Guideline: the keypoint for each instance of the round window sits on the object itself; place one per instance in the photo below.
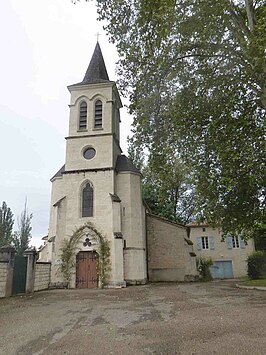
(89, 153)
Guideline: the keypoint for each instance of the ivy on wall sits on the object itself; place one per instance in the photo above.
(69, 251)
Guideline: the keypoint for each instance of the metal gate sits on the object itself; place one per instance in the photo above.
(222, 269)
(19, 275)
(86, 269)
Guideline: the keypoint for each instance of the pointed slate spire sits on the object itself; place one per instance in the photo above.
(96, 72)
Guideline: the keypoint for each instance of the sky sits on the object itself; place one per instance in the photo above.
(45, 46)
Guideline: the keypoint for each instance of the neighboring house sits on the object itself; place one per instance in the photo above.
(229, 255)
(97, 194)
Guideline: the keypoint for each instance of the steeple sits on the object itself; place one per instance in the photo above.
(96, 72)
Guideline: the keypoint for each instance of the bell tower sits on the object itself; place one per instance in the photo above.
(93, 139)
(98, 186)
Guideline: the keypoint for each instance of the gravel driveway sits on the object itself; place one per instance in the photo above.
(194, 318)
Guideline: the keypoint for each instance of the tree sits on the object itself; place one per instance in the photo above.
(260, 237)
(23, 235)
(195, 73)
(6, 225)
(168, 192)
(166, 185)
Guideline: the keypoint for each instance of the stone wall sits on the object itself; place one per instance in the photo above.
(169, 256)
(42, 276)
(3, 277)
(133, 227)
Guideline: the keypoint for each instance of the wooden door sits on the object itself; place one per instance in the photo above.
(86, 269)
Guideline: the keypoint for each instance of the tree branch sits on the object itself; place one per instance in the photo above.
(238, 19)
(250, 14)
(202, 55)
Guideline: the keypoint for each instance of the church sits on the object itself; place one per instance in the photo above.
(96, 202)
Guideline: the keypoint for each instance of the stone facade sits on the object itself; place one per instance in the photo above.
(42, 276)
(7, 256)
(3, 277)
(232, 255)
(117, 213)
(170, 252)
(133, 227)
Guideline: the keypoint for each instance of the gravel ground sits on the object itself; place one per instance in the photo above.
(193, 318)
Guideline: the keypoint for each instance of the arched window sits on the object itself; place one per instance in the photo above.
(98, 114)
(87, 201)
(83, 115)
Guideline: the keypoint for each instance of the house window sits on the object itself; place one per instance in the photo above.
(205, 242)
(87, 201)
(235, 241)
(98, 114)
(83, 115)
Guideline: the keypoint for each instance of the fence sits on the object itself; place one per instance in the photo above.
(36, 275)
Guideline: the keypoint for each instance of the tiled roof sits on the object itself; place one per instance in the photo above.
(59, 173)
(163, 219)
(197, 224)
(123, 163)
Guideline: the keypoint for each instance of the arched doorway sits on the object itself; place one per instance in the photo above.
(86, 269)
(74, 258)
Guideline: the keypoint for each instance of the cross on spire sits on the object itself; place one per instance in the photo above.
(98, 35)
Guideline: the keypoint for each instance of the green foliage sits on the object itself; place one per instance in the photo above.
(22, 236)
(68, 258)
(260, 237)
(195, 73)
(135, 154)
(6, 225)
(166, 185)
(69, 251)
(260, 242)
(203, 267)
(257, 265)
(103, 262)
(168, 191)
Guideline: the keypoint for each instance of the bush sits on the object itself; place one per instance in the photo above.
(203, 267)
(257, 265)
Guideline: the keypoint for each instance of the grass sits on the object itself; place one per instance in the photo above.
(258, 283)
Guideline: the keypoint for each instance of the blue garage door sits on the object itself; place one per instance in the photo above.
(222, 270)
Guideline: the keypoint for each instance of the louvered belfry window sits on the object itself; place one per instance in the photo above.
(83, 115)
(98, 116)
(87, 201)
